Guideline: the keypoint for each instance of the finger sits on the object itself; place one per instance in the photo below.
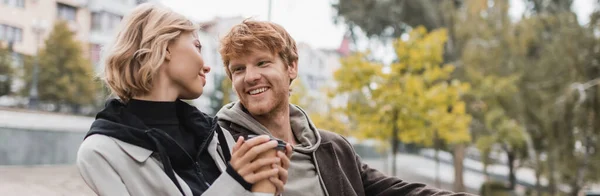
(283, 174)
(249, 144)
(257, 164)
(278, 184)
(285, 161)
(262, 175)
(234, 155)
(289, 150)
(237, 145)
(251, 154)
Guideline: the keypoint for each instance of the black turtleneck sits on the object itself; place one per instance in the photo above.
(166, 116)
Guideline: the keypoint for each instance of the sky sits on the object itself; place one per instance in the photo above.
(308, 21)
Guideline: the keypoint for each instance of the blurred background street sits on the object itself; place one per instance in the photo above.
(492, 97)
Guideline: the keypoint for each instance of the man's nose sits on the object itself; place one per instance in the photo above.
(252, 75)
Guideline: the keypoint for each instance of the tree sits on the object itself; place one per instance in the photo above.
(6, 71)
(65, 76)
(222, 94)
(324, 116)
(535, 61)
(415, 102)
(546, 56)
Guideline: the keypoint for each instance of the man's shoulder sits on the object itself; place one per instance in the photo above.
(330, 136)
(334, 138)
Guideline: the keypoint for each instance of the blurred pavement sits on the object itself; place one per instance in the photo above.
(42, 180)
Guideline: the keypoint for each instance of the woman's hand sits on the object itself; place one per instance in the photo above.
(243, 158)
(283, 168)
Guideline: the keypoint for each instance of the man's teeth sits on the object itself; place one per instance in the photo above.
(256, 91)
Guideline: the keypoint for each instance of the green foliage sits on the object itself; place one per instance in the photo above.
(534, 82)
(65, 75)
(417, 97)
(323, 115)
(6, 71)
(495, 188)
(222, 94)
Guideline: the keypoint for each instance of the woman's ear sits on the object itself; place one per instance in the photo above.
(168, 54)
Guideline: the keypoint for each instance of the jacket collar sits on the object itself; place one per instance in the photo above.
(137, 153)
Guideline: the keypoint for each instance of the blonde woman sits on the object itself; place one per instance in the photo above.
(148, 141)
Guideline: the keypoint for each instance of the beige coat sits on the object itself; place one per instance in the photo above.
(112, 167)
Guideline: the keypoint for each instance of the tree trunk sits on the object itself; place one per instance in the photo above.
(76, 108)
(485, 159)
(574, 188)
(511, 170)
(58, 107)
(437, 168)
(538, 173)
(394, 142)
(551, 180)
(486, 175)
(437, 159)
(459, 156)
(394, 151)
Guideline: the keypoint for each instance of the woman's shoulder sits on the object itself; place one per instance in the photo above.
(105, 147)
(97, 145)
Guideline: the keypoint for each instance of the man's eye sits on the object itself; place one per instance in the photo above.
(262, 63)
(236, 69)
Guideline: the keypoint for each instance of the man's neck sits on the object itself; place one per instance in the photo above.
(278, 123)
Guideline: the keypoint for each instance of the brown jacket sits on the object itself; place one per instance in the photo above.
(344, 173)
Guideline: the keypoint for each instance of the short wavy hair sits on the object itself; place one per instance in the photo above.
(140, 48)
(250, 35)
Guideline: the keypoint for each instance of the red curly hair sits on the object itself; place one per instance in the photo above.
(251, 35)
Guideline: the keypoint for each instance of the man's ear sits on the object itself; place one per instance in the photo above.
(293, 70)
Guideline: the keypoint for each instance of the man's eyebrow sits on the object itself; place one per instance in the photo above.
(233, 65)
(262, 58)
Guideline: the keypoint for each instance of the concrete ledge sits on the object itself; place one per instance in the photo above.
(44, 121)
(34, 147)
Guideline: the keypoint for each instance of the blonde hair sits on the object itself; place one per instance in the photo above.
(140, 48)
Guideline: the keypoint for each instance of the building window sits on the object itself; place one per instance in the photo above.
(96, 21)
(2, 30)
(66, 12)
(10, 33)
(17, 59)
(105, 21)
(114, 21)
(95, 51)
(15, 3)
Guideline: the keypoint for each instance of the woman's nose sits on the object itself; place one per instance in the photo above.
(206, 68)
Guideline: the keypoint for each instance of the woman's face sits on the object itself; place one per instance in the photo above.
(185, 67)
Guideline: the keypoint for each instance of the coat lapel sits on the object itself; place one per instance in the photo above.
(330, 170)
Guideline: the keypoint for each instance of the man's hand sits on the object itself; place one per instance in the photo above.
(244, 163)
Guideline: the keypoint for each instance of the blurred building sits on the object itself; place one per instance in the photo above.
(25, 24)
(209, 35)
(315, 71)
(105, 16)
